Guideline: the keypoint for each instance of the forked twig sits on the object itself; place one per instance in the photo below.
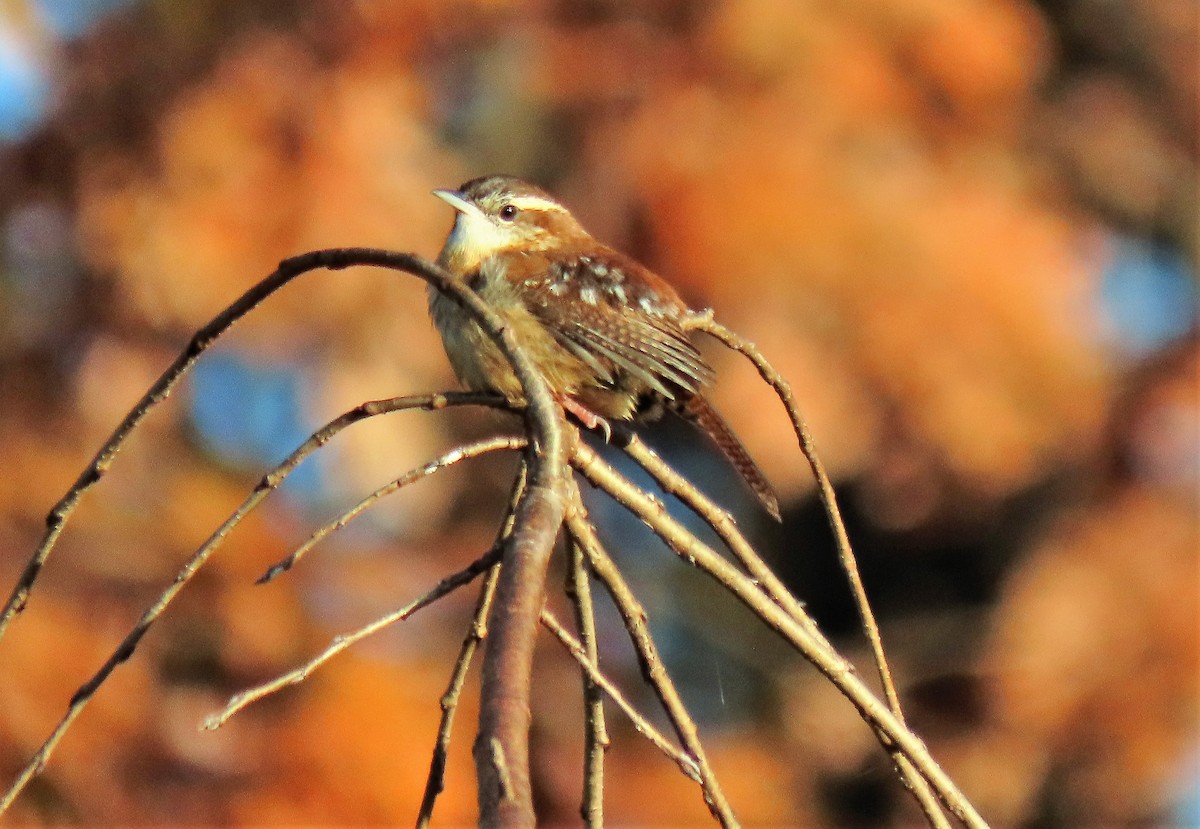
(891, 732)
(655, 673)
(686, 764)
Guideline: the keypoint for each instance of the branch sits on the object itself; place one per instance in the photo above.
(501, 748)
(476, 633)
(722, 524)
(824, 488)
(266, 485)
(514, 594)
(340, 643)
(454, 456)
(634, 616)
(891, 732)
(502, 761)
(908, 775)
(644, 727)
(435, 782)
(157, 393)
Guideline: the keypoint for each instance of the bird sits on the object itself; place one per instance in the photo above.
(605, 332)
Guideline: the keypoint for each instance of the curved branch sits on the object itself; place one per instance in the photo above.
(783, 390)
(162, 388)
(504, 713)
(502, 746)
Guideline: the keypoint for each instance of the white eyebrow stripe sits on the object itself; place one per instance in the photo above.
(534, 203)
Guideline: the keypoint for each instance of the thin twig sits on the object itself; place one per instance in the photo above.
(634, 615)
(891, 732)
(266, 485)
(435, 782)
(686, 764)
(454, 456)
(596, 740)
(783, 391)
(340, 643)
(157, 393)
(824, 488)
(720, 521)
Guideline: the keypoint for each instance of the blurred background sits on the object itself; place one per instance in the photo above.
(965, 230)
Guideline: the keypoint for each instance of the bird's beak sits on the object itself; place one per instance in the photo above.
(455, 199)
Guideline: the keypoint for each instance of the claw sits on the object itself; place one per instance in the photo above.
(605, 428)
(586, 416)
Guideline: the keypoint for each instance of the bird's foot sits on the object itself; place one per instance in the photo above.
(586, 416)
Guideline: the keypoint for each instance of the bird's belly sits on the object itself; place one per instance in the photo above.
(479, 363)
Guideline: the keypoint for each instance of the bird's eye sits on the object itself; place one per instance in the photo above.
(508, 213)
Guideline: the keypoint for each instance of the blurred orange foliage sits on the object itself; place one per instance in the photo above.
(899, 201)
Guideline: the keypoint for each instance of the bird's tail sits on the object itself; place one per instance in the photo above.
(699, 411)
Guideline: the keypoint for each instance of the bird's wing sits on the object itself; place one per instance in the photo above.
(621, 324)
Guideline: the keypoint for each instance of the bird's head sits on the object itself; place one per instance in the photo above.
(499, 214)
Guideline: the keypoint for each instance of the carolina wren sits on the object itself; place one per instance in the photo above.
(605, 331)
